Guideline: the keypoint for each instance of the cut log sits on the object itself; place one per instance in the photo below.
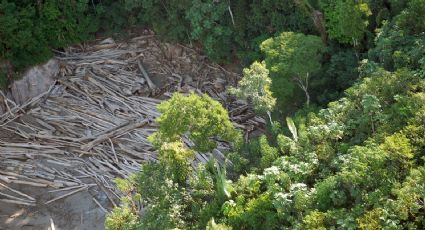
(113, 133)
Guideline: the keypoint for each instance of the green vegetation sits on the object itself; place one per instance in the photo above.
(292, 59)
(358, 163)
(346, 20)
(167, 186)
(201, 119)
(30, 29)
(225, 29)
(255, 86)
(342, 83)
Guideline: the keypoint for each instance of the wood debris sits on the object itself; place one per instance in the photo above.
(93, 124)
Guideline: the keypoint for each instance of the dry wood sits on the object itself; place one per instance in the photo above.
(72, 187)
(4, 178)
(100, 206)
(83, 187)
(14, 197)
(52, 225)
(35, 184)
(17, 202)
(113, 133)
(93, 123)
(17, 192)
(145, 75)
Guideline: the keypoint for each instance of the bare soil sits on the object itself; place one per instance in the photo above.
(78, 211)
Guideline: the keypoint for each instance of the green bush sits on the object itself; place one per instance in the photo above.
(167, 18)
(211, 25)
(255, 87)
(23, 40)
(257, 20)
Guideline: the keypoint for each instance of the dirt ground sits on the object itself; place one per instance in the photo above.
(77, 211)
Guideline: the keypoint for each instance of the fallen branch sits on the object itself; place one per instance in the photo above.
(83, 187)
(114, 133)
(151, 85)
(17, 202)
(17, 192)
(100, 206)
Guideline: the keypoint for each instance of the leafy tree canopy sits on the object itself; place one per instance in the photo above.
(292, 59)
(255, 86)
(346, 20)
(201, 118)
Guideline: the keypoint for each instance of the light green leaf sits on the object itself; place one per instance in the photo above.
(292, 128)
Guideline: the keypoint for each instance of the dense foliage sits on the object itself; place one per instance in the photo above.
(255, 87)
(358, 163)
(293, 60)
(346, 20)
(225, 29)
(29, 29)
(166, 186)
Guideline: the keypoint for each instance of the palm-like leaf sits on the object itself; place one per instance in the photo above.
(292, 128)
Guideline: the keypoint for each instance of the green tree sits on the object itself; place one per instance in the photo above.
(22, 40)
(165, 186)
(346, 20)
(292, 59)
(255, 86)
(357, 164)
(201, 118)
(125, 217)
(412, 19)
(211, 24)
(30, 29)
(176, 159)
(213, 226)
(409, 204)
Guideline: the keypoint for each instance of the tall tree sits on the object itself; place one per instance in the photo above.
(292, 58)
(346, 20)
(255, 86)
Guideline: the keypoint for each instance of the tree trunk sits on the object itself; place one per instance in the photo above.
(308, 97)
(319, 23)
(304, 86)
(317, 17)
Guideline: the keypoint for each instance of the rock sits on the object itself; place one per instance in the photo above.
(171, 51)
(219, 84)
(34, 81)
(187, 79)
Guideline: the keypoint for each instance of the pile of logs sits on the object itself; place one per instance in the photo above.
(92, 125)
